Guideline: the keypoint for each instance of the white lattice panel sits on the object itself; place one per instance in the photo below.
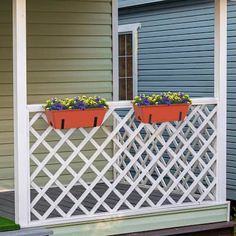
(124, 166)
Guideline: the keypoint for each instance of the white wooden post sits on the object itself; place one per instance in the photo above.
(221, 93)
(115, 53)
(21, 120)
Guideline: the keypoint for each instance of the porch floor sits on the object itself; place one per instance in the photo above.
(7, 200)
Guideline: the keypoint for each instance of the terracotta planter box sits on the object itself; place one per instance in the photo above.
(161, 113)
(66, 119)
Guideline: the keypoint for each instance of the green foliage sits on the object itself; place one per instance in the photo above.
(7, 225)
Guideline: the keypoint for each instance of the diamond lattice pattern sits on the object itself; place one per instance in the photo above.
(122, 166)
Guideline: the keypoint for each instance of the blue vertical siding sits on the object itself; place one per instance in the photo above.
(176, 52)
(231, 129)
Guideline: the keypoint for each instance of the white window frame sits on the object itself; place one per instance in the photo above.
(131, 28)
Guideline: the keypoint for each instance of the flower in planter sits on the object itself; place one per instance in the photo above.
(77, 112)
(165, 98)
(76, 103)
(156, 108)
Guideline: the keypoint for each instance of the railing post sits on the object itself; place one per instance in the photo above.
(21, 120)
(221, 94)
(115, 70)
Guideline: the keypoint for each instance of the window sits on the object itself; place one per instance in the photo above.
(125, 67)
(128, 51)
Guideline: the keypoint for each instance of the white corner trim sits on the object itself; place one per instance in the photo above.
(115, 48)
(132, 28)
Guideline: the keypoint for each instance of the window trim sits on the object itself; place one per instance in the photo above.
(132, 28)
(115, 52)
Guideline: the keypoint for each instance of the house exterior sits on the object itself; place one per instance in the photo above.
(175, 41)
(121, 177)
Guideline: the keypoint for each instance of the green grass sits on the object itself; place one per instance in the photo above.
(7, 225)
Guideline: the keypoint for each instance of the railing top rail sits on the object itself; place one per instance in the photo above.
(128, 104)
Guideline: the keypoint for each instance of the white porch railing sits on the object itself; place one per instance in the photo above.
(123, 167)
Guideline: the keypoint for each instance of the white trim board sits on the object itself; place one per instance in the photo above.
(115, 71)
(130, 3)
(129, 28)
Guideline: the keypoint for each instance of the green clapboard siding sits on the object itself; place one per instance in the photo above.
(176, 52)
(69, 54)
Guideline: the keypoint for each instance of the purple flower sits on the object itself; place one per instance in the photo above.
(163, 98)
(166, 100)
(75, 103)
